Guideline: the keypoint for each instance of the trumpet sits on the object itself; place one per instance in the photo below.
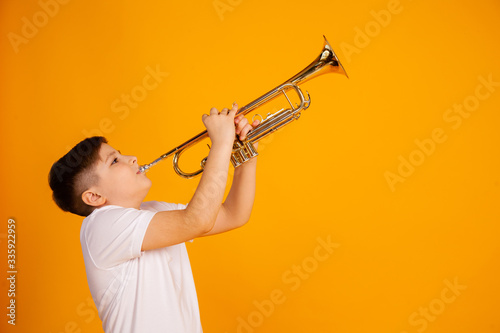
(243, 151)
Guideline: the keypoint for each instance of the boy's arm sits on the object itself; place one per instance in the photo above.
(236, 210)
(173, 227)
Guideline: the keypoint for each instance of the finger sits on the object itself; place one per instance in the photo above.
(244, 131)
(224, 111)
(256, 122)
(234, 109)
(241, 124)
(204, 116)
(238, 118)
(214, 111)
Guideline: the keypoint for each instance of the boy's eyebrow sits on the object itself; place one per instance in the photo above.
(111, 154)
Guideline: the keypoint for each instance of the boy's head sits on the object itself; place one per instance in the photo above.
(94, 174)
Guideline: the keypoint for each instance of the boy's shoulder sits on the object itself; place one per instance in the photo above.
(110, 214)
(161, 205)
(153, 205)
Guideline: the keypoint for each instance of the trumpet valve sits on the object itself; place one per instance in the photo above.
(242, 152)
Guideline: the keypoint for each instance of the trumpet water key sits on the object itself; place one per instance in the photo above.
(326, 62)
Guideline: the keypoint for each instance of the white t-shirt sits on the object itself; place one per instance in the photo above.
(141, 292)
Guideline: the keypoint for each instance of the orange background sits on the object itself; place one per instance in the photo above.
(399, 246)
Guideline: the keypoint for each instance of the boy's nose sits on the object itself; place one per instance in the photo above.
(133, 159)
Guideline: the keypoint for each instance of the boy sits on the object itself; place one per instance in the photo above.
(135, 257)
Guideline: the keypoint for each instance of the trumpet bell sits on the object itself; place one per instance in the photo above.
(326, 62)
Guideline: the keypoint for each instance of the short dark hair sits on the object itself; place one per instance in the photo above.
(74, 173)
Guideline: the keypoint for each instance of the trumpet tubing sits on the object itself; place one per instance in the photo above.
(326, 62)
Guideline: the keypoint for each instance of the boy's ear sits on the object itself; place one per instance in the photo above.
(92, 198)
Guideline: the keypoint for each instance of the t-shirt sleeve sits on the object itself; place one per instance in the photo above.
(116, 235)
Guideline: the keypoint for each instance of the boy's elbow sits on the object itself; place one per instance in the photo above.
(204, 225)
(244, 221)
(207, 226)
(238, 220)
(199, 222)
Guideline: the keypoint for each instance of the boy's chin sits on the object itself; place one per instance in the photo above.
(147, 186)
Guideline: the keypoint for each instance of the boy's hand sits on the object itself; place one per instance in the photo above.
(243, 127)
(220, 125)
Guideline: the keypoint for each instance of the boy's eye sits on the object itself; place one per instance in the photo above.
(115, 160)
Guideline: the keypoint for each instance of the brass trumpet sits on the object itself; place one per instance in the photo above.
(326, 62)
